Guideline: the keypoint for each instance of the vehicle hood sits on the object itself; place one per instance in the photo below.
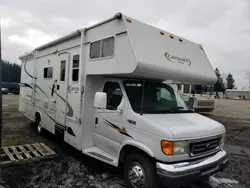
(186, 126)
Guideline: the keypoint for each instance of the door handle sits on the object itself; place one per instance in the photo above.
(58, 86)
(96, 122)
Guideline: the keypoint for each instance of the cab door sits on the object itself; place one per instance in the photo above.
(61, 89)
(110, 121)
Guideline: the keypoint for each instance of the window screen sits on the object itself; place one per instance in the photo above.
(62, 70)
(75, 68)
(114, 95)
(102, 48)
(48, 72)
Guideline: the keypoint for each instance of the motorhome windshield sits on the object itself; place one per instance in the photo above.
(154, 97)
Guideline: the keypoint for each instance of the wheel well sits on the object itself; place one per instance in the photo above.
(129, 149)
(37, 117)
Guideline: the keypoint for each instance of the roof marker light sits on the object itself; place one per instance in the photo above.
(129, 20)
(171, 36)
(161, 33)
(180, 40)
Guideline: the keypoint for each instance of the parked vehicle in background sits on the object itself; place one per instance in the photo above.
(12, 87)
(5, 91)
(204, 100)
(103, 87)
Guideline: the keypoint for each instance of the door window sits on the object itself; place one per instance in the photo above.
(75, 68)
(62, 70)
(114, 95)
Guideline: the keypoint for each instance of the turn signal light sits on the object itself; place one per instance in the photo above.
(167, 147)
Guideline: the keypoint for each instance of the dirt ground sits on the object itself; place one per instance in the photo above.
(72, 169)
(232, 108)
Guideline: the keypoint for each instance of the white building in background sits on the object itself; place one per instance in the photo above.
(240, 94)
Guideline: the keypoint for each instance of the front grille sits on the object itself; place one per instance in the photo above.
(204, 147)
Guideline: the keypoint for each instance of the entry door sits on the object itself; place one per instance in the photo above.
(109, 122)
(62, 87)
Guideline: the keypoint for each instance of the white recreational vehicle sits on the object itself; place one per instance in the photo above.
(102, 86)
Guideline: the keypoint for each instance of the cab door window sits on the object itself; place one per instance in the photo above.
(114, 95)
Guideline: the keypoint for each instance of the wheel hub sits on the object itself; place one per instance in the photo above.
(136, 175)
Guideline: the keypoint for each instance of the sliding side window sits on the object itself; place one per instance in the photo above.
(102, 48)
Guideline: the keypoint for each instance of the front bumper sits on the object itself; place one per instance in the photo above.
(185, 173)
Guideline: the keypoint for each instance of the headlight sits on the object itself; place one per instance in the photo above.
(174, 148)
(222, 142)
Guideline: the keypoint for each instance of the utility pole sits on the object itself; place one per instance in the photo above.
(0, 88)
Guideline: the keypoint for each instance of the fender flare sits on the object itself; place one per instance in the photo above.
(138, 145)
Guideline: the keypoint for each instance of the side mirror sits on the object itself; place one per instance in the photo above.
(100, 100)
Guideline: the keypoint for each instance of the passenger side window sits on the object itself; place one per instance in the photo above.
(114, 95)
(75, 68)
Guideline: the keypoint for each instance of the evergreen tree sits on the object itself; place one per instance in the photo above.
(10, 72)
(230, 81)
(219, 86)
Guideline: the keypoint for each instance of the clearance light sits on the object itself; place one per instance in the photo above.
(161, 33)
(171, 36)
(129, 20)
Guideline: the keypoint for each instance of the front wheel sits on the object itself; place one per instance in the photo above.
(139, 171)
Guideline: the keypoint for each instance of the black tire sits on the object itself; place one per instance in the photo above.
(39, 128)
(148, 168)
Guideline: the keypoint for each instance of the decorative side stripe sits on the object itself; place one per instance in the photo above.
(49, 116)
(121, 130)
(26, 85)
(36, 86)
(29, 96)
(27, 71)
(70, 112)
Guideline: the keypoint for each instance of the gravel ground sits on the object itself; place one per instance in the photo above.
(72, 169)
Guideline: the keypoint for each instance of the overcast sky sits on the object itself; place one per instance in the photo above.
(221, 26)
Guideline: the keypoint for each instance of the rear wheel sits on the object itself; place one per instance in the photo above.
(139, 171)
(39, 127)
